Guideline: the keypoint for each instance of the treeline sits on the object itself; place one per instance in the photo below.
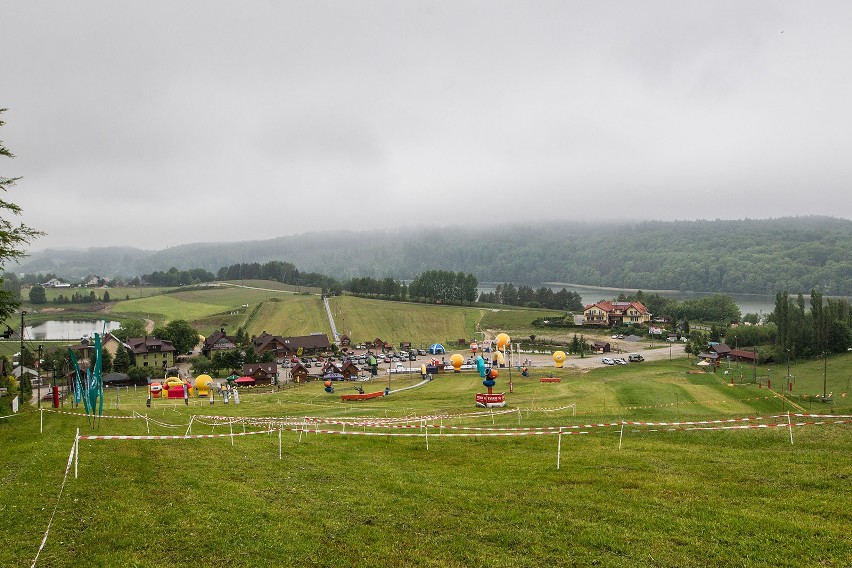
(444, 286)
(384, 289)
(431, 286)
(77, 298)
(174, 277)
(745, 256)
(543, 297)
(822, 325)
(284, 272)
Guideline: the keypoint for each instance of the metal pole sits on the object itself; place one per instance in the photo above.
(21, 357)
(38, 371)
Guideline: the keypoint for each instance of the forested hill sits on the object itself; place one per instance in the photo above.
(757, 256)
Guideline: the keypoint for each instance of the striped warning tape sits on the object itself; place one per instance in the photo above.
(187, 437)
(84, 415)
(442, 435)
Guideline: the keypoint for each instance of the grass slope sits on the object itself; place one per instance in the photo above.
(666, 498)
(293, 315)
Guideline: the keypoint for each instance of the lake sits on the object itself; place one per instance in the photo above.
(68, 329)
(761, 304)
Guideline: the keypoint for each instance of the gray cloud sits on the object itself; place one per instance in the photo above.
(159, 123)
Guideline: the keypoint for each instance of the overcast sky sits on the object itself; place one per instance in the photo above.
(160, 123)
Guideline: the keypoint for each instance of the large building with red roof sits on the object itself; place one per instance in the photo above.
(610, 314)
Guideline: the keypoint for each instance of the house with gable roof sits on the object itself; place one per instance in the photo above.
(218, 341)
(609, 314)
(152, 352)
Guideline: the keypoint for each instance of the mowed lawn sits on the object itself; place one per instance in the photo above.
(667, 497)
(290, 315)
(365, 319)
(196, 304)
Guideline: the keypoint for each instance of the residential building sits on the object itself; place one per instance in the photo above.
(152, 352)
(609, 314)
(218, 341)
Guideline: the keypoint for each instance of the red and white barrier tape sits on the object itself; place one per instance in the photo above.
(187, 437)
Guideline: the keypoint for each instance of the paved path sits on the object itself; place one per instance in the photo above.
(331, 320)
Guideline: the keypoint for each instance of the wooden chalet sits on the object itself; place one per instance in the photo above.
(218, 341)
(742, 356)
(313, 344)
(602, 347)
(262, 373)
(266, 342)
(345, 341)
(349, 370)
(299, 373)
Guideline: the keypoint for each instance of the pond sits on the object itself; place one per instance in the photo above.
(68, 329)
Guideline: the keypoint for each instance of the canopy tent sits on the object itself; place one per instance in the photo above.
(437, 349)
(245, 381)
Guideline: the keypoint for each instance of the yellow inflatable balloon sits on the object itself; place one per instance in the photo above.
(502, 341)
(501, 360)
(457, 360)
(559, 358)
(202, 385)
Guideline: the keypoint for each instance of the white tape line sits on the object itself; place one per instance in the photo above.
(56, 506)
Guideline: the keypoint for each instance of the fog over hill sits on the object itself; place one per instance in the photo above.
(749, 255)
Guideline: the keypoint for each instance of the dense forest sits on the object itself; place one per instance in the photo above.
(798, 254)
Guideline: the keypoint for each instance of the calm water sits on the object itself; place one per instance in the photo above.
(70, 330)
(748, 303)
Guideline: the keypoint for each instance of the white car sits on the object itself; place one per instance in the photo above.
(620, 361)
(607, 361)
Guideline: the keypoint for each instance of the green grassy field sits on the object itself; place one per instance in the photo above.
(365, 319)
(204, 307)
(668, 497)
(422, 324)
(293, 315)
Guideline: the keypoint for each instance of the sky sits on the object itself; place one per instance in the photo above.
(158, 123)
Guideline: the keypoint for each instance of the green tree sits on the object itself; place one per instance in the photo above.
(839, 337)
(140, 375)
(201, 365)
(123, 360)
(130, 328)
(182, 335)
(38, 295)
(13, 238)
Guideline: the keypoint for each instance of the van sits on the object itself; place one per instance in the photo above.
(635, 358)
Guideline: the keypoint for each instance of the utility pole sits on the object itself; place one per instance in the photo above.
(824, 374)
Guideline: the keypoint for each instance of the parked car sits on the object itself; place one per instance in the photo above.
(607, 361)
(635, 358)
(620, 361)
